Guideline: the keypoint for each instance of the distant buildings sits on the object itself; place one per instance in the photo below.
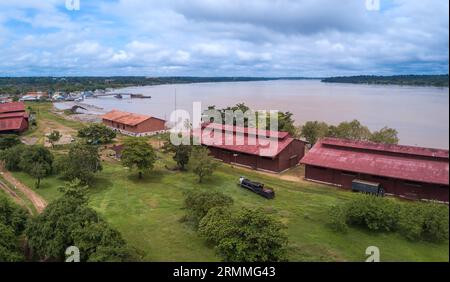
(13, 118)
(405, 171)
(133, 124)
(34, 96)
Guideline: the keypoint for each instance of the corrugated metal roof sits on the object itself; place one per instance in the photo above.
(11, 123)
(125, 117)
(260, 148)
(394, 161)
(14, 114)
(12, 107)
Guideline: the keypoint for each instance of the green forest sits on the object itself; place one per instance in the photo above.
(412, 80)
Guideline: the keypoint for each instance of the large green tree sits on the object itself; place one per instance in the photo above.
(37, 161)
(12, 224)
(312, 131)
(96, 134)
(82, 162)
(68, 221)
(138, 154)
(385, 135)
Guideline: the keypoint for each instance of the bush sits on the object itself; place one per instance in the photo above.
(435, 226)
(374, 213)
(411, 219)
(198, 203)
(9, 141)
(338, 218)
(253, 236)
(215, 224)
(417, 221)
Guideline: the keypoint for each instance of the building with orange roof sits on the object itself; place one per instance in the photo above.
(133, 124)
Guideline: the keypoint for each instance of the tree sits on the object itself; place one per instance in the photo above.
(8, 141)
(286, 123)
(137, 153)
(37, 161)
(385, 135)
(54, 137)
(12, 223)
(12, 156)
(252, 236)
(68, 221)
(181, 153)
(202, 163)
(82, 162)
(96, 134)
(198, 203)
(312, 131)
(353, 130)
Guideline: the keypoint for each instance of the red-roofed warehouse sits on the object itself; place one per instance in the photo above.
(13, 118)
(133, 124)
(406, 171)
(285, 152)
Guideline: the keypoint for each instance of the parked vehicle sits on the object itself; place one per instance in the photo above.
(367, 187)
(257, 188)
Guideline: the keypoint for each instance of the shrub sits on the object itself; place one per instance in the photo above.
(338, 218)
(374, 213)
(253, 236)
(411, 219)
(215, 224)
(198, 203)
(9, 141)
(435, 227)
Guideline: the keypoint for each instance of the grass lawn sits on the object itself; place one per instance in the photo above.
(147, 212)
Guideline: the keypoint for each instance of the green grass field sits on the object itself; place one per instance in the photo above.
(147, 212)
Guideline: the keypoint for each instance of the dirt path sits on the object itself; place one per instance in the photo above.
(14, 196)
(38, 202)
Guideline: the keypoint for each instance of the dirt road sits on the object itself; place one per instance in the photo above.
(38, 202)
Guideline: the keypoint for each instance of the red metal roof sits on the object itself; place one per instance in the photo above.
(393, 161)
(12, 107)
(14, 123)
(14, 114)
(251, 146)
(125, 118)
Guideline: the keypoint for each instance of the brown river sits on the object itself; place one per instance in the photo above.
(420, 114)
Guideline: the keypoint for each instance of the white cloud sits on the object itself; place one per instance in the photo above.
(223, 37)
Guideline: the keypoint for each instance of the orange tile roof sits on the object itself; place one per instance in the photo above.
(125, 118)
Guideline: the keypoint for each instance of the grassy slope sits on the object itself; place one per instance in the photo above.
(147, 213)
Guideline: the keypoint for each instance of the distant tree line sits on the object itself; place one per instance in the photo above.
(20, 85)
(413, 80)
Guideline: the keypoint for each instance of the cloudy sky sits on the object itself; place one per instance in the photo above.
(223, 37)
